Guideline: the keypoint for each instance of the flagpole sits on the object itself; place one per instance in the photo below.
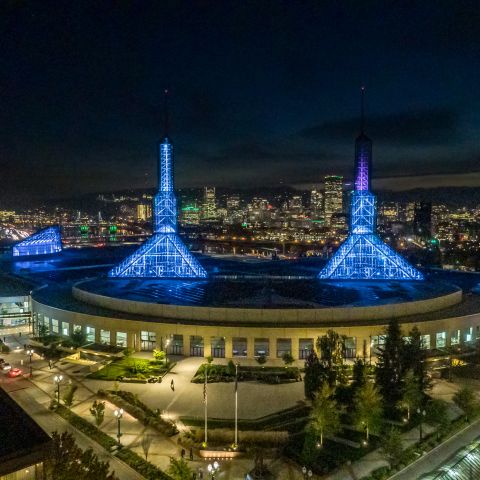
(205, 401)
(236, 405)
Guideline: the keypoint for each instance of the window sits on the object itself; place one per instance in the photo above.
(148, 340)
(261, 347)
(65, 329)
(121, 339)
(377, 342)
(105, 337)
(305, 347)
(239, 347)
(55, 325)
(218, 347)
(441, 338)
(425, 342)
(90, 334)
(455, 337)
(284, 345)
(468, 335)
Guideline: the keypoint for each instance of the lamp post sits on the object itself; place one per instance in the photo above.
(118, 414)
(236, 404)
(422, 414)
(30, 352)
(167, 343)
(213, 469)
(57, 379)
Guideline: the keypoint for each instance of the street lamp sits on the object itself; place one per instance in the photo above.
(306, 473)
(236, 404)
(30, 353)
(422, 414)
(213, 469)
(57, 379)
(119, 414)
(167, 343)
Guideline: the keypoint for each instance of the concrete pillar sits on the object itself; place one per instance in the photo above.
(295, 347)
(97, 334)
(228, 347)
(207, 346)
(186, 345)
(251, 347)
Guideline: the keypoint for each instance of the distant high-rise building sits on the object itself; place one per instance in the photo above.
(316, 203)
(233, 203)
(422, 220)
(333, 196)
(144, 212)
(209, 210)
(190, 215)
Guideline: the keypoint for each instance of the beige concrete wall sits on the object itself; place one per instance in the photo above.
(362, 333)
(270, 315)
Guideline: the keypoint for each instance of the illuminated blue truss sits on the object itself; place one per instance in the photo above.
(164, 255)
(363, 255)
(45, 242)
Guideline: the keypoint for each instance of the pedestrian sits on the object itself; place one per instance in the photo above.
(191, 454)
(194, 476)
(172, 385)
(50, 364)
(20, 334)
(200, 474)
(4, 339)
(183, 453)
(24, 346)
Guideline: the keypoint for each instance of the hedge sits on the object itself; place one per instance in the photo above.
(131, 404)
(133, 460)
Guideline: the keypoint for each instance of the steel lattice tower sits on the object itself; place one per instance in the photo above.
(164, 255)
(363, 255)
(45, 242)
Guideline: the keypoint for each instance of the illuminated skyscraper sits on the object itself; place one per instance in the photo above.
(363, 255)
(209, 204)
(45, 242)
(164, 255)
(333, 197)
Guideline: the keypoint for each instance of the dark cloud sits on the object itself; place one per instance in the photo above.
(430, 126)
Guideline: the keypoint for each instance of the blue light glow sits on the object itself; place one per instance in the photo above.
(363, 255)
(164, 255)
(45, 242)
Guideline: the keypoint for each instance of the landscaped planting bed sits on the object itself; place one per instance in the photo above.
(131, 367)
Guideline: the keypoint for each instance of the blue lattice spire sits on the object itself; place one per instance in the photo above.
(164, 255)
(44, 242)
(364, 255)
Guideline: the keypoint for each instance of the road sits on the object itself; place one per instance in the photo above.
(436, 457)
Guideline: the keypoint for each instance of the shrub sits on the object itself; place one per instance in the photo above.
(262, 359)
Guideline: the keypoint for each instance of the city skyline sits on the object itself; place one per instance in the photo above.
(282, 113)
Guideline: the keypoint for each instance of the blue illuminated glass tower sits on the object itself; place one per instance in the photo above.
(363, 255)
(164, 255)
(45, 242)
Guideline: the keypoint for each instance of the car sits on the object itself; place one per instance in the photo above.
(14, 372)
(6, 367)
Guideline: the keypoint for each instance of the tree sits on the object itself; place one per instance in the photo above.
(359, 374)
(325, 415)
(332, 352)
(412, 393)
(78, 338)
(368, 408)
(414, 355)
(66, 461)
(98, 412)
(159, 355)
(315, 374)
(287, 358)
(437, 414)
(465, 399)
(389, 371)
(69, 395)
(42, 330)
(392, 447)
(179, 469)
(146, 444)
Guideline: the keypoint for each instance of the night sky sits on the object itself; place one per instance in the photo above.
(262, 92)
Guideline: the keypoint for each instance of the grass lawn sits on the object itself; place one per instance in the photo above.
(130, 367)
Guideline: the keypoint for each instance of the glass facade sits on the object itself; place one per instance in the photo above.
(121, 339)
(105, 337)
(261, 347)
(364, 256)
(90, 334)
(164, 255)
(44, 242)
(441, 339)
